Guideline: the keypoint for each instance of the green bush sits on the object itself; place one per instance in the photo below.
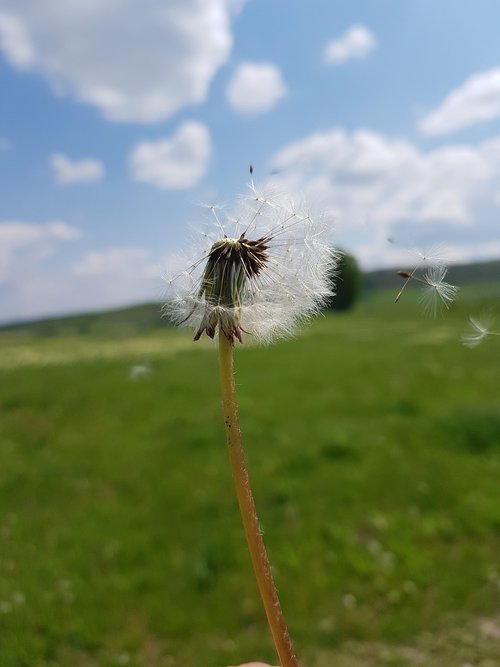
(347, 282)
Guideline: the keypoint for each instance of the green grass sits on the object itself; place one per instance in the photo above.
(373, 442)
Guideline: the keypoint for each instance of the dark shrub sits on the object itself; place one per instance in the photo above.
(347, 282)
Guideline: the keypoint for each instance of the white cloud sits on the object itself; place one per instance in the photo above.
(80, 171)
(477, 100)
(355, 44)
(15, 41)
(135, 62)
(176, 162)
(479, 250)
(23, 242)
(375, 185)
(39, 278)
(255, 88)
(112, 277)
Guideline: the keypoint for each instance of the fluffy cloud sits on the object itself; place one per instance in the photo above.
(255, 88)
(81, 171)
(137, 62)
(355, 44)
(477, 100)
(22, 242)
(377, 187)
(177, 162)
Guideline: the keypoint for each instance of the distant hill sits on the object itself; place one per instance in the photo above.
(119, 322)
(458, 274)
(145, 317)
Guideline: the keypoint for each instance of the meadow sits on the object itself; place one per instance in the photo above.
(373, 443)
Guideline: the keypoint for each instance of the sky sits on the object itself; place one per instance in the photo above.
(119, 119)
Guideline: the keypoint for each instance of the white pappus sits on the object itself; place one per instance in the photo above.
(260, 272)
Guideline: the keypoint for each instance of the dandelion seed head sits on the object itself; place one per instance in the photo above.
(259, 271)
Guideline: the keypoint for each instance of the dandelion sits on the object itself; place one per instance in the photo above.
(264, 271)
(478, 331)
(260, 272)
(435, 292)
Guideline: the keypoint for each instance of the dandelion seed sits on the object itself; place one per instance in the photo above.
(476, 334)
(436, 291)
(266, 269)
(433, 256)
(478, 331)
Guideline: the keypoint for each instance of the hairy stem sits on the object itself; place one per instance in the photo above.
(260, 561)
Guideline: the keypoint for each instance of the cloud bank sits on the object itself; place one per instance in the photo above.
(38, 277)
(23, 243)
(135, 62)
(377, 186)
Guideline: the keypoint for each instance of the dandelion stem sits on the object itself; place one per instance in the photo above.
(260, 560)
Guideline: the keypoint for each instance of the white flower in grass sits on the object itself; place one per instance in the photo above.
(478, 331)
(436, 291)
(139, 371)
(260, 272)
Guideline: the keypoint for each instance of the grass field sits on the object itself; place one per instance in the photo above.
(373, 442)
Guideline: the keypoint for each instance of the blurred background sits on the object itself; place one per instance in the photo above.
(373, 438)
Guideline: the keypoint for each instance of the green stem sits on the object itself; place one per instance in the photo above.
(260, 561)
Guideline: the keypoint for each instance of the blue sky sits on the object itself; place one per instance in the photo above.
(118, 118)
